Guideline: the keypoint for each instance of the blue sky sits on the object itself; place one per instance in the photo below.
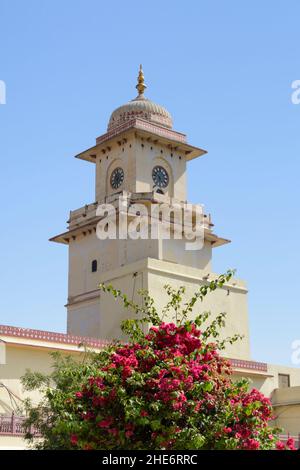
(223, 69)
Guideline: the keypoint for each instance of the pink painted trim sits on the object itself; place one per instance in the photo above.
(63, 338)
(51, 336)
(251, 365)
(143, 125)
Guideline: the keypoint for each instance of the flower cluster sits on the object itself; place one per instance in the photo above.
(289, 445)
(170, 390)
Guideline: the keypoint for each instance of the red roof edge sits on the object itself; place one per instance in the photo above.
(64, 338)
(250, 365)
(51, 336)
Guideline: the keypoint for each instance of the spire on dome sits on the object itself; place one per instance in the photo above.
(140, 108)
(141, 87)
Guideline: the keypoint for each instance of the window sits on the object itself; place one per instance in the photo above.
(94, 265)
(283, 380)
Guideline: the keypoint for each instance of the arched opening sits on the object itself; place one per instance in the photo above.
(94, 266)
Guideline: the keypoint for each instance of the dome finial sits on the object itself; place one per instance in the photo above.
(141, 87)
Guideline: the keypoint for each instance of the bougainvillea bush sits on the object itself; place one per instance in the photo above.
(168, 388)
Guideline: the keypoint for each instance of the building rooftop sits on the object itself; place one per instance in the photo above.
(50, 337)
(65, 339)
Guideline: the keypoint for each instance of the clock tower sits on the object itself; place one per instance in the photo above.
(142, 160)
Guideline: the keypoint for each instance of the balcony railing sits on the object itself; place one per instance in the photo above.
(285, 437)
(13, 425)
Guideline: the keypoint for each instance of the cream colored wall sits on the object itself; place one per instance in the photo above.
(19, 358)
(286, 402)
(112, 312)
(110, 255)
(267, 383)
(274, 370)
(153, 274)
(84, 318)
(117, 155)
(288, 419)
(174, 251)
(137, 157)
(230, 299)
(147, 158)
(102, 317)
(13, 443)
(149, 155)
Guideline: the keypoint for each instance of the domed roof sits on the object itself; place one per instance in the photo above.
(142, 108)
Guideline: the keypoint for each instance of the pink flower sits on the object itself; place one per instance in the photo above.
(73, 439)
(227, 430)
(171, 361)
(162, 373)
(129, 429)
(125, 360)
(178, 353)
(198, 405)
(105, 423)
(251, 444)
(177, 406)
(88, 415)
(154, 329)
(280, 445)
(182, 397)
(113, 431)
(290, 443)
(207, 357)
(127, 371)
(112, 394)
(99, 401)
(180, 400)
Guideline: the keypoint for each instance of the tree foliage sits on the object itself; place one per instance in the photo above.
(167, 388)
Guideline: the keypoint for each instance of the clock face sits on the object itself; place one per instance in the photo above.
(117, 178)
(160, 177)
